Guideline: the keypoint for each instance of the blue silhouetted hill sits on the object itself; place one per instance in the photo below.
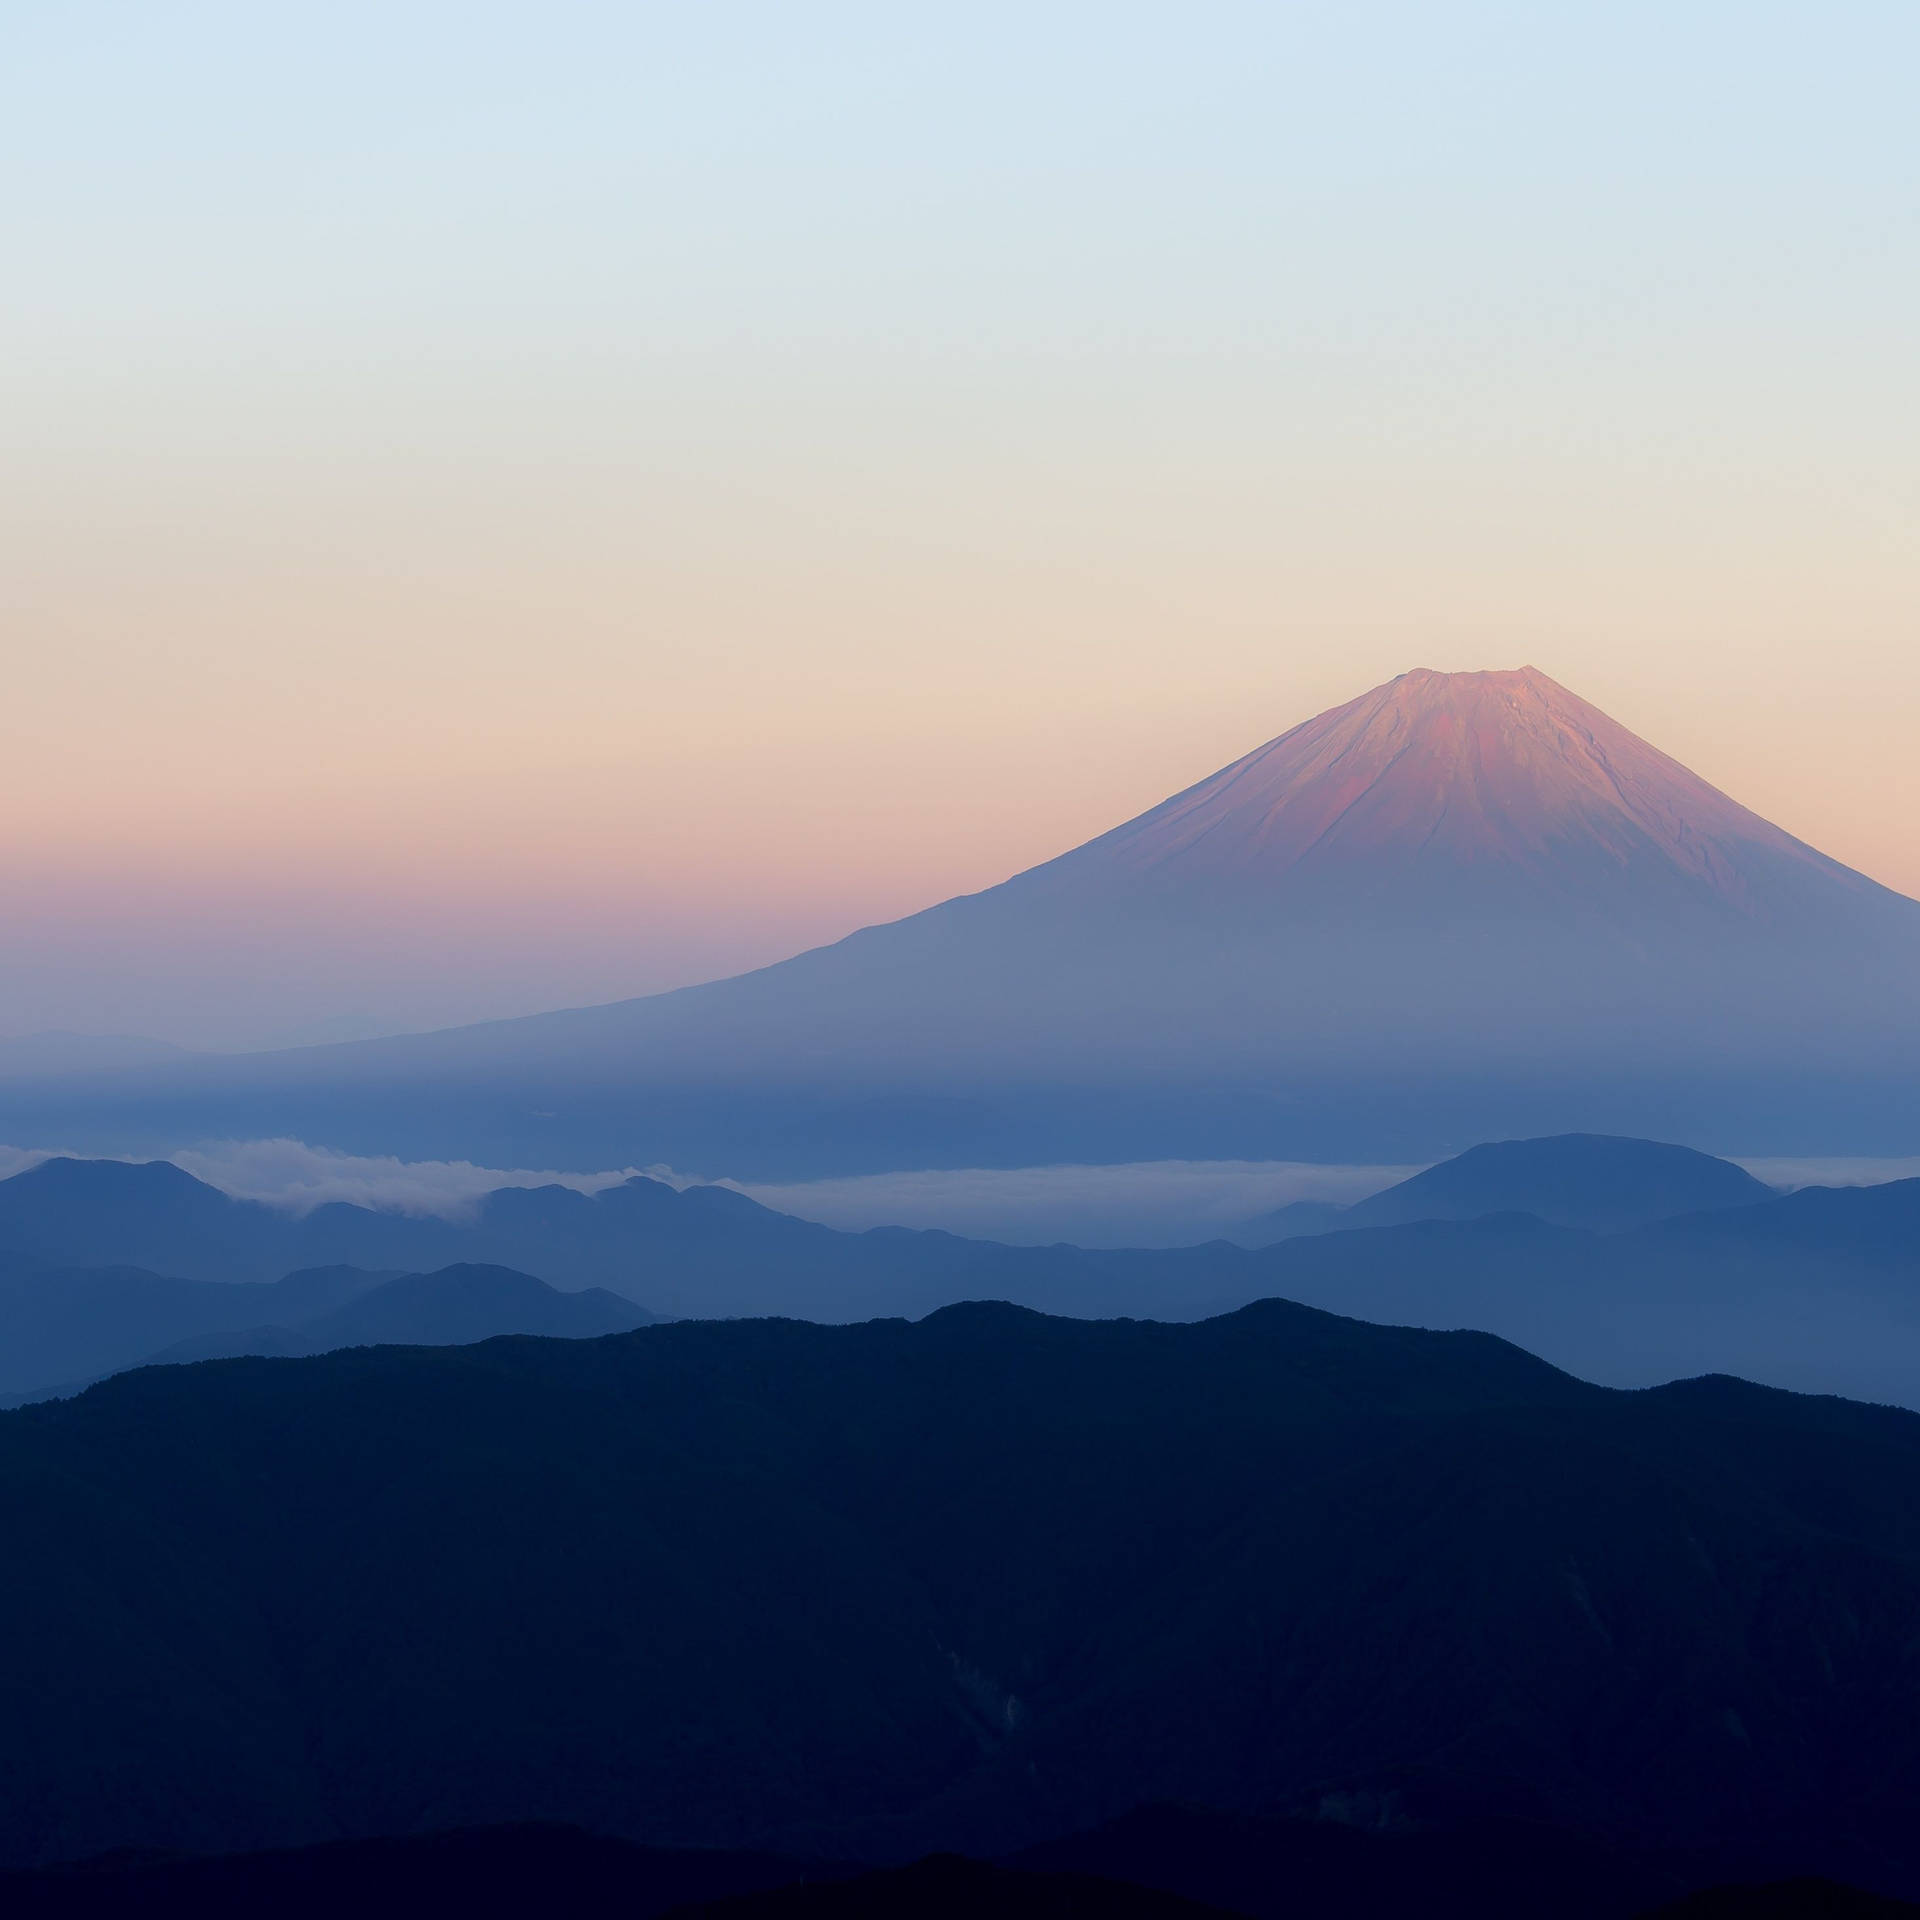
(1588, 1180)
(65, 1327)
(445, 1309)
(1814, 1290)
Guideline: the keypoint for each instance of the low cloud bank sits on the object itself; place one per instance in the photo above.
(1153, 1203)
(1145, 1204)
(293, 1175)
(1854, 1171)
(1160, 1203)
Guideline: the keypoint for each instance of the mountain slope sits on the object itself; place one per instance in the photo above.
(1461, 906)
(1573, 1180)
(498, 1873)
(450, 1308)
(1504, 781)
(471, 1302)
(1821, 1297)
(1878, 1226)
(1261, 1869)
(1819, 1291)
(63, 1327)
(974, 1582)
(105, 1213)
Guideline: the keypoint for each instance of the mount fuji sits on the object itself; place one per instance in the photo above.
(1459, 907)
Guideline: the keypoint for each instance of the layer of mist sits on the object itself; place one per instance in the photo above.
(1151, 1203)
(297, 1177)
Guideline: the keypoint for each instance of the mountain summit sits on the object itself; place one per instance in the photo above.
(1459, 907)
(1436, 777)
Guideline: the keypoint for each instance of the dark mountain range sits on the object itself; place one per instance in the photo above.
(1462, 906)
(1819, 1291)
(1880, 1226)
(1786, 1900)
(61, 1328)
(559, 1871)
(499, 1873)
(100, 1213)
(1194, 1861)
(949, 1887)
(979, 1582)
(105, 1213)
(444, 1309)
(1571, 1180)
(1291, 1222)
(1281, 1867)
(113, 1213)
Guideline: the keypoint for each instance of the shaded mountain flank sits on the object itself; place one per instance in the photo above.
(1461, 906)
(1785, 1900)
(445, 1309)
(1568, 1180)
(1157, 1860)
(62, 1328)
(947, 1886)
(563, 1872)
(484, 1873)
(976, 1583)
(1817, 1291)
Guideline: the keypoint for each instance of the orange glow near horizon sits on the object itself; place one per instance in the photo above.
(553, 514)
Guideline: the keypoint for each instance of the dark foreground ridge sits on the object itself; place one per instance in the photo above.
(1785, 1900)
(974, 1584)
(476, 1873)
(1165, 1864)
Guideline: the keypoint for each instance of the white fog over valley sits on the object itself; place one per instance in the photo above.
(1155, 1203)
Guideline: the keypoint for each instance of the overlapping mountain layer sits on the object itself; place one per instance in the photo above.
(983, 1582)
(1460, 906)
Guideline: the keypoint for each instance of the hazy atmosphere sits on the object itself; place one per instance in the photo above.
(961, 962)
(517, 509)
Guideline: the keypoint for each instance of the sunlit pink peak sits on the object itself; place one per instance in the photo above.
(1450, 771)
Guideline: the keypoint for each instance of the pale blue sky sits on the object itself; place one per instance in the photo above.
(726, 473)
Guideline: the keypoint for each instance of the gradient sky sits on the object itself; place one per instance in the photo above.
(507, 506)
